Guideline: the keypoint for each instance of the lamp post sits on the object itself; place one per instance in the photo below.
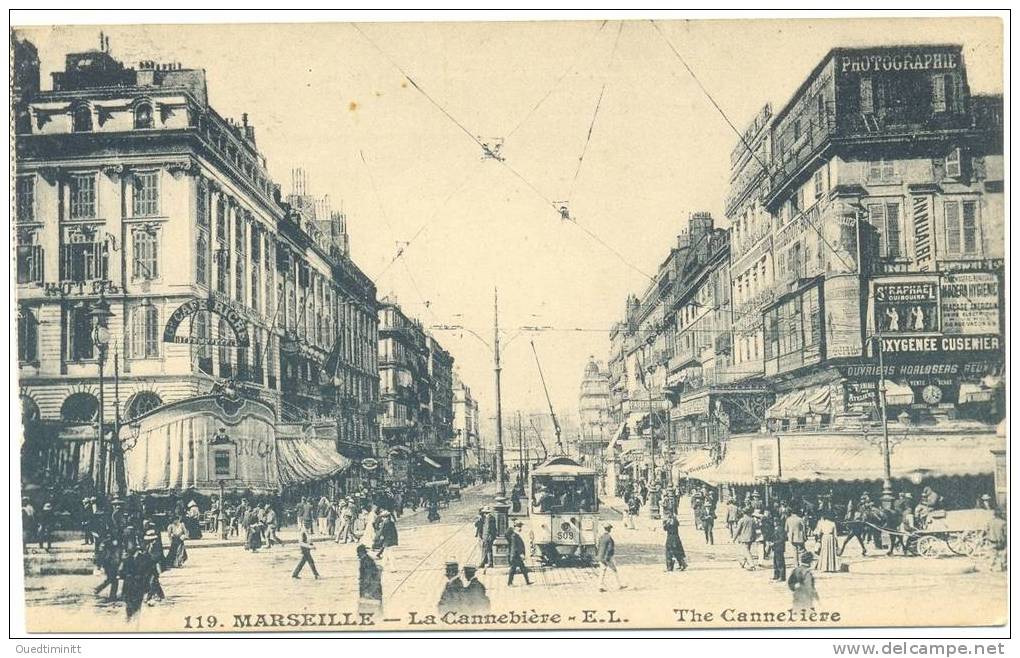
(101, 315)
(887, 489)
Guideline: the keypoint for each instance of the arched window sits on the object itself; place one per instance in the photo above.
(29, 410)
(143, 116)
(80, 408)
(81, 119)
(142, 403)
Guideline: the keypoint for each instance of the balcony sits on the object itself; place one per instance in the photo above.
(395, 424)
(30, 264)
(84, 261)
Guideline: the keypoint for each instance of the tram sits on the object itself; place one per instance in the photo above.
(563, 511)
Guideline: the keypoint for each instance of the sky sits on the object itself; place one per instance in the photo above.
(332, 98)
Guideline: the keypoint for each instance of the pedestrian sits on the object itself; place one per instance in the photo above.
(744, 536)
(633, 507)
(370, 599)
(150, 565)
(453, 591)
(779, 551)
(802, 584)
(255, 526)
(306, 514)
(997, 535)
(178, 554)
(331, 517)
(708, 523)
(360, 525)
(305, 544)
(732, 517)
(433, 514)
(517, 551)
(134, 573)
(474, 599)
(322, 516)
(796, 532)
(29, 522)
(766, 528)
(825, 532)
(44, 531)
(606, 556)
(855, 525)
(674, 547)
(109, 560)
(488, 539)
(386, 538)
(271, 525)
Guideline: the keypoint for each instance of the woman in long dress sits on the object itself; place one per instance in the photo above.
(825, 531)
(362, 527)
(178, 554)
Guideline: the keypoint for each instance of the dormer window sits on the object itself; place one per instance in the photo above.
(81, 119)
(143, 116)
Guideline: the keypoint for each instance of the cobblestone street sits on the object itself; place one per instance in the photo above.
(226, 581)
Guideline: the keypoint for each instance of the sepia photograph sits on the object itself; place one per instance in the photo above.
(424, 325)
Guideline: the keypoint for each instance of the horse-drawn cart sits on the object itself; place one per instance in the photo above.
(959, 532)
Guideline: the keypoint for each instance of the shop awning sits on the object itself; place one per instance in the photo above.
(789, 405)
(691, 462)
(974, 393)
(898, 394)
(815, 457)
(308, 460)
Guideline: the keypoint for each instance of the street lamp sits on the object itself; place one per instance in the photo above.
(101, 315)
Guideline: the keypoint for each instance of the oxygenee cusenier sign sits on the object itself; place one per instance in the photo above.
(234, 319)
(941, 344)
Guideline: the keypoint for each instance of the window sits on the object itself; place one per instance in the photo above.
(142, 403)
(885, 217)
(202, 260)
(145, 266)
(953, 168)
(145, 332)
(223, 332)
(26, 198)
(796, 130)
(143, 116)
(221, 220)
(238, 232)
(820, 99)
(145, 194)
(881, 170)
(83, 258)
(202, 205)
(255, 288)
(83, 196)
(942, 99)
(961, 227)
(867, 96)
(29, 258)
(222, 257)
(239, 280)
(28, 336)
(81, 119)
(202, 329)
(78, 324)
(80, 408)
(819, 186)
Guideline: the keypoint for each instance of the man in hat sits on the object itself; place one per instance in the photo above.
(674, 547)
(745, 536)
(474, 598)
(386, 537)
(306, 547)
(369, 583)
(452, 597)
(606, 555)
(45, 526)
(108, 557)
(856, 524)
(488, 538)
(150, 564)
(517, 551)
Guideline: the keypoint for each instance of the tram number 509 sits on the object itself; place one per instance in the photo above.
(565, 534)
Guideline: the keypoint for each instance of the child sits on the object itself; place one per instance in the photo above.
(802, 584)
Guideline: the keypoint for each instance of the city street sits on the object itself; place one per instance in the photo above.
(236, 586)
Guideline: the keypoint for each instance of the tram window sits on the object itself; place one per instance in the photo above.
(552, 494)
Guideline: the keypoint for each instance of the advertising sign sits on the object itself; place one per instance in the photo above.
(903, 306)
(970, 303)
(941, 344)
(765, 458)
(842, 317)
(235, 320)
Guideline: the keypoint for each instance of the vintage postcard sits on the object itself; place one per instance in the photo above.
(503, 326)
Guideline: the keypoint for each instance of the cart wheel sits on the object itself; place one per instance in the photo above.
(964, 543)
(928, 546)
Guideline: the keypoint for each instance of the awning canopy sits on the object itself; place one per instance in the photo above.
(898, 394)
(308, 460)
(691, 462)
(813, 457)
(431, 462)
(789, 405)
(974, 393)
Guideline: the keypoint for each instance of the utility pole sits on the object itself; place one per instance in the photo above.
(500, 547)
(887, 490)
(520, 448)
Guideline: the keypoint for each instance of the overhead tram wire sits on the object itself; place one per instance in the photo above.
(556, 84)
(501, 161)
(740, 135)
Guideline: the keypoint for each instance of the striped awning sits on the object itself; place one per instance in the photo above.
(303, 460)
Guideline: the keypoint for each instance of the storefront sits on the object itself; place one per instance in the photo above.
(309, 463)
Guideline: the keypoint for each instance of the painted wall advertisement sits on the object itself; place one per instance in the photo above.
(909, 305)
(970, 303)
(842, 313)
